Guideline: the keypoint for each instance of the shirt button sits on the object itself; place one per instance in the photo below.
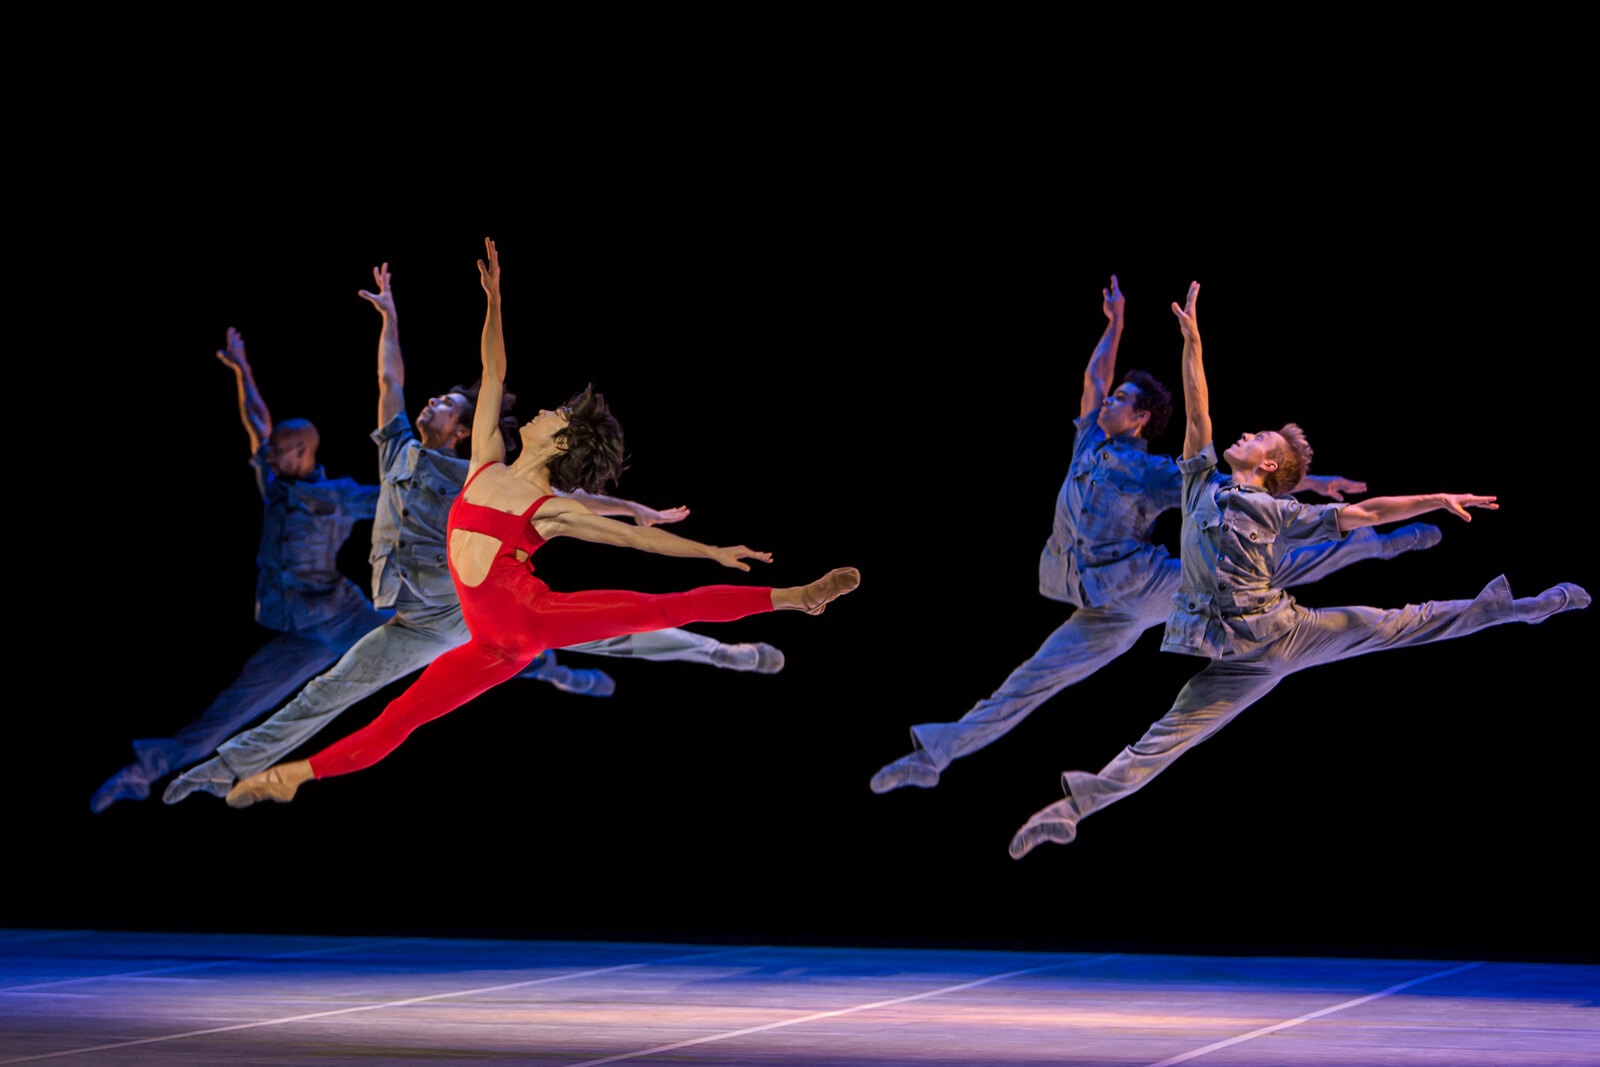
(400, 544)
(1252, 535)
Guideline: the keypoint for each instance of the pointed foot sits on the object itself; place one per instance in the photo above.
(127, 784)
(1553, 601)
(1057, 823)
(830, 587)
(913, 769)
(212, 777)
(1416, 537)
(270, 784)
(759, 657)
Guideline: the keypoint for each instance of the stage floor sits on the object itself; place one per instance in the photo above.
(206, 999)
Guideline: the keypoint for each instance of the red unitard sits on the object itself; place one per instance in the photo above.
(514, 616)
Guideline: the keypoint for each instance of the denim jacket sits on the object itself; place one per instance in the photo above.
(410, 559)
(1234, 537)
(303, 524)
(1099, 548)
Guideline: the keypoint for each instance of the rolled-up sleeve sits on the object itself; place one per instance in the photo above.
(1197, 471)
(1308, 524)
(391, 439)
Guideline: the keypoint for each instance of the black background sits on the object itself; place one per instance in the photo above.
(838, 272)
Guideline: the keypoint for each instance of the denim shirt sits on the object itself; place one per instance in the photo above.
(410, 559)
(303, 524)
(1234, 537)
(1099, 548)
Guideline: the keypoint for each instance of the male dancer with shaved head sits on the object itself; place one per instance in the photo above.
(1100, 558)
(1232, 609)
(420, 476)
(316, 613)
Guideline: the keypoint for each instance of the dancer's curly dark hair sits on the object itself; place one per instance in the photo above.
(508, 422)
(591, 455)
(1154, 398)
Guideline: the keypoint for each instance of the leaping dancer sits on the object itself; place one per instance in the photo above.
(315, 613)
(503, 515)
(1100, 558)
(419, 475)
(1232, 608)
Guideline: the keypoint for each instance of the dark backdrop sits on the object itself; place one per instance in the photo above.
(839, 273)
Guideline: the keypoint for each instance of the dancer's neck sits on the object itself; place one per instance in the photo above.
(533, 470)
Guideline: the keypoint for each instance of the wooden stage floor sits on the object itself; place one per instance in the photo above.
(123, 998)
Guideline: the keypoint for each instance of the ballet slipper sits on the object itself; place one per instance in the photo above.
(759, 657)
(913, 769)
(815, 598)
(270, 784)
(1057, 823)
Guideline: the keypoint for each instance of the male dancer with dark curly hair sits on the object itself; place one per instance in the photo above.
(1100, 558)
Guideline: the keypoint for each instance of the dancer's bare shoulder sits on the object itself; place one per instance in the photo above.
(494, 486)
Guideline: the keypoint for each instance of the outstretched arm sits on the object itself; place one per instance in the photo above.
(487, 444)
(601, 504)
(568, 518)
(1329, 485)
(1102, 368)
(1196, 400)
(391, 368)
(1382, 509)
(252, 409)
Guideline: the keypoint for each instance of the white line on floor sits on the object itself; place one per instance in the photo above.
(1275, 1027)
(841, 1011)
(195, 966)
(385, 1004)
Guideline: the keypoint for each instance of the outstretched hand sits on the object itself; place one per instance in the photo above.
(1112, 301)
(233, 355)
(651, 517)
(383, 299)
(1186, 314)
(1336, 488)
(1458, 503)
(730, 557)
(490, 275)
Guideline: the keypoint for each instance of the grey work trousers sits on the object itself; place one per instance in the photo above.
(1211, 699)
(1093, 637)
(272, 672)
(408, 642)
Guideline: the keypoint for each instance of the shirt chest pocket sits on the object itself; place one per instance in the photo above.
(1116, 492)
(1246, 535)
(437, 482)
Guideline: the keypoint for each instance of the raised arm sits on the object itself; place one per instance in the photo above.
(568, 518)
(487, 444)
(1196, 400)
(252, 409)
(1102, 368)
(391, 368)
(601, 504)
(1382, 509)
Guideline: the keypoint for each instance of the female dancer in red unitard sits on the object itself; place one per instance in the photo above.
(504, 513)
